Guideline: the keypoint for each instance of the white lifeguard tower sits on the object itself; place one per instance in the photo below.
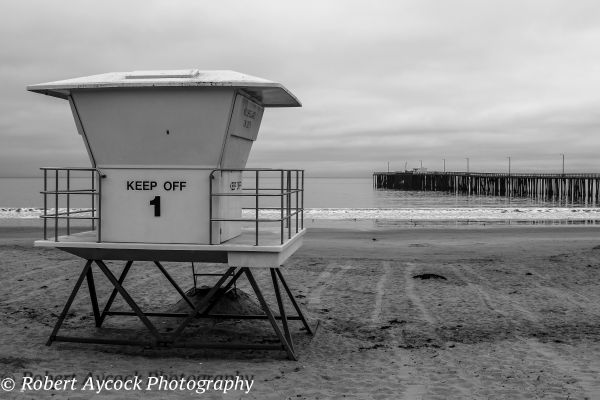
(168, 182)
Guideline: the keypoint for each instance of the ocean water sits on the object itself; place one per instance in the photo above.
(350, 199)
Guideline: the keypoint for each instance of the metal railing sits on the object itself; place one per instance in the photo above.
(277, 196)
(61, 194)
(287, 185)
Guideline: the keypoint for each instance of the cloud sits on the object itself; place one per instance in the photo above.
(399, 81)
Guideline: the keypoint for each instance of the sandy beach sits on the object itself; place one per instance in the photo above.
(507, 312)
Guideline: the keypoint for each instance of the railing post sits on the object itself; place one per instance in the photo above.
(93, 197)
(256, 206)
(297, 194)
(99, 175)
(210, 207)
(302, 219)
(289, 203)
(56, 205)
(68, 201)
(45, 204)
(282, 194)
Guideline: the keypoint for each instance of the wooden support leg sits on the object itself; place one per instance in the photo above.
(293, 300)
(175, 285)
(67, 306)
(114, 292)
(218, 296)
(93, 298)
(287, 347)
(201, 310)
(205, 301)
(284, 320)
(130, 301)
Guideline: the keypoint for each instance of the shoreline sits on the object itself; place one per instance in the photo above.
(398, 215)
(361, 223)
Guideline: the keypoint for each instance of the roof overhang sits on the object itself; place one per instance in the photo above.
(268, 93)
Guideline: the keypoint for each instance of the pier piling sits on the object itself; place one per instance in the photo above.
(568, 188)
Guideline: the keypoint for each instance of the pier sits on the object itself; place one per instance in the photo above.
(581, 188)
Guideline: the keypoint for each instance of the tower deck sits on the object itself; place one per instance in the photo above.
(237, 252)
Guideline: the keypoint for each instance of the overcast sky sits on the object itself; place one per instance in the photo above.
(397, 81)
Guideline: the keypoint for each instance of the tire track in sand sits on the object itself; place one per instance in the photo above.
(567, 293)
(465, 381)
(380, 291)
(323, 281)
(586, 378)
(496, 299)
(587, 381)
(412, 294)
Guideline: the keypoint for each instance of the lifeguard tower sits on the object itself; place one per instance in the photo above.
(168, 183)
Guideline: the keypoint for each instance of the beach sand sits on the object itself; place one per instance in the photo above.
(517, 317)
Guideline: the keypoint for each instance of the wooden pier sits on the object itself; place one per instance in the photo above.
(569, 188)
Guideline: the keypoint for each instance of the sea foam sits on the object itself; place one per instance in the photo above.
(402, 214)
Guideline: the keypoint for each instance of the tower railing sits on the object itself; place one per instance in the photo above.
(58, 189)
(276, 196)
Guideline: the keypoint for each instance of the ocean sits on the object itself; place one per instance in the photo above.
(356, 199)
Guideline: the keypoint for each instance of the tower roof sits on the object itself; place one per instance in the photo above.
(266, 92)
